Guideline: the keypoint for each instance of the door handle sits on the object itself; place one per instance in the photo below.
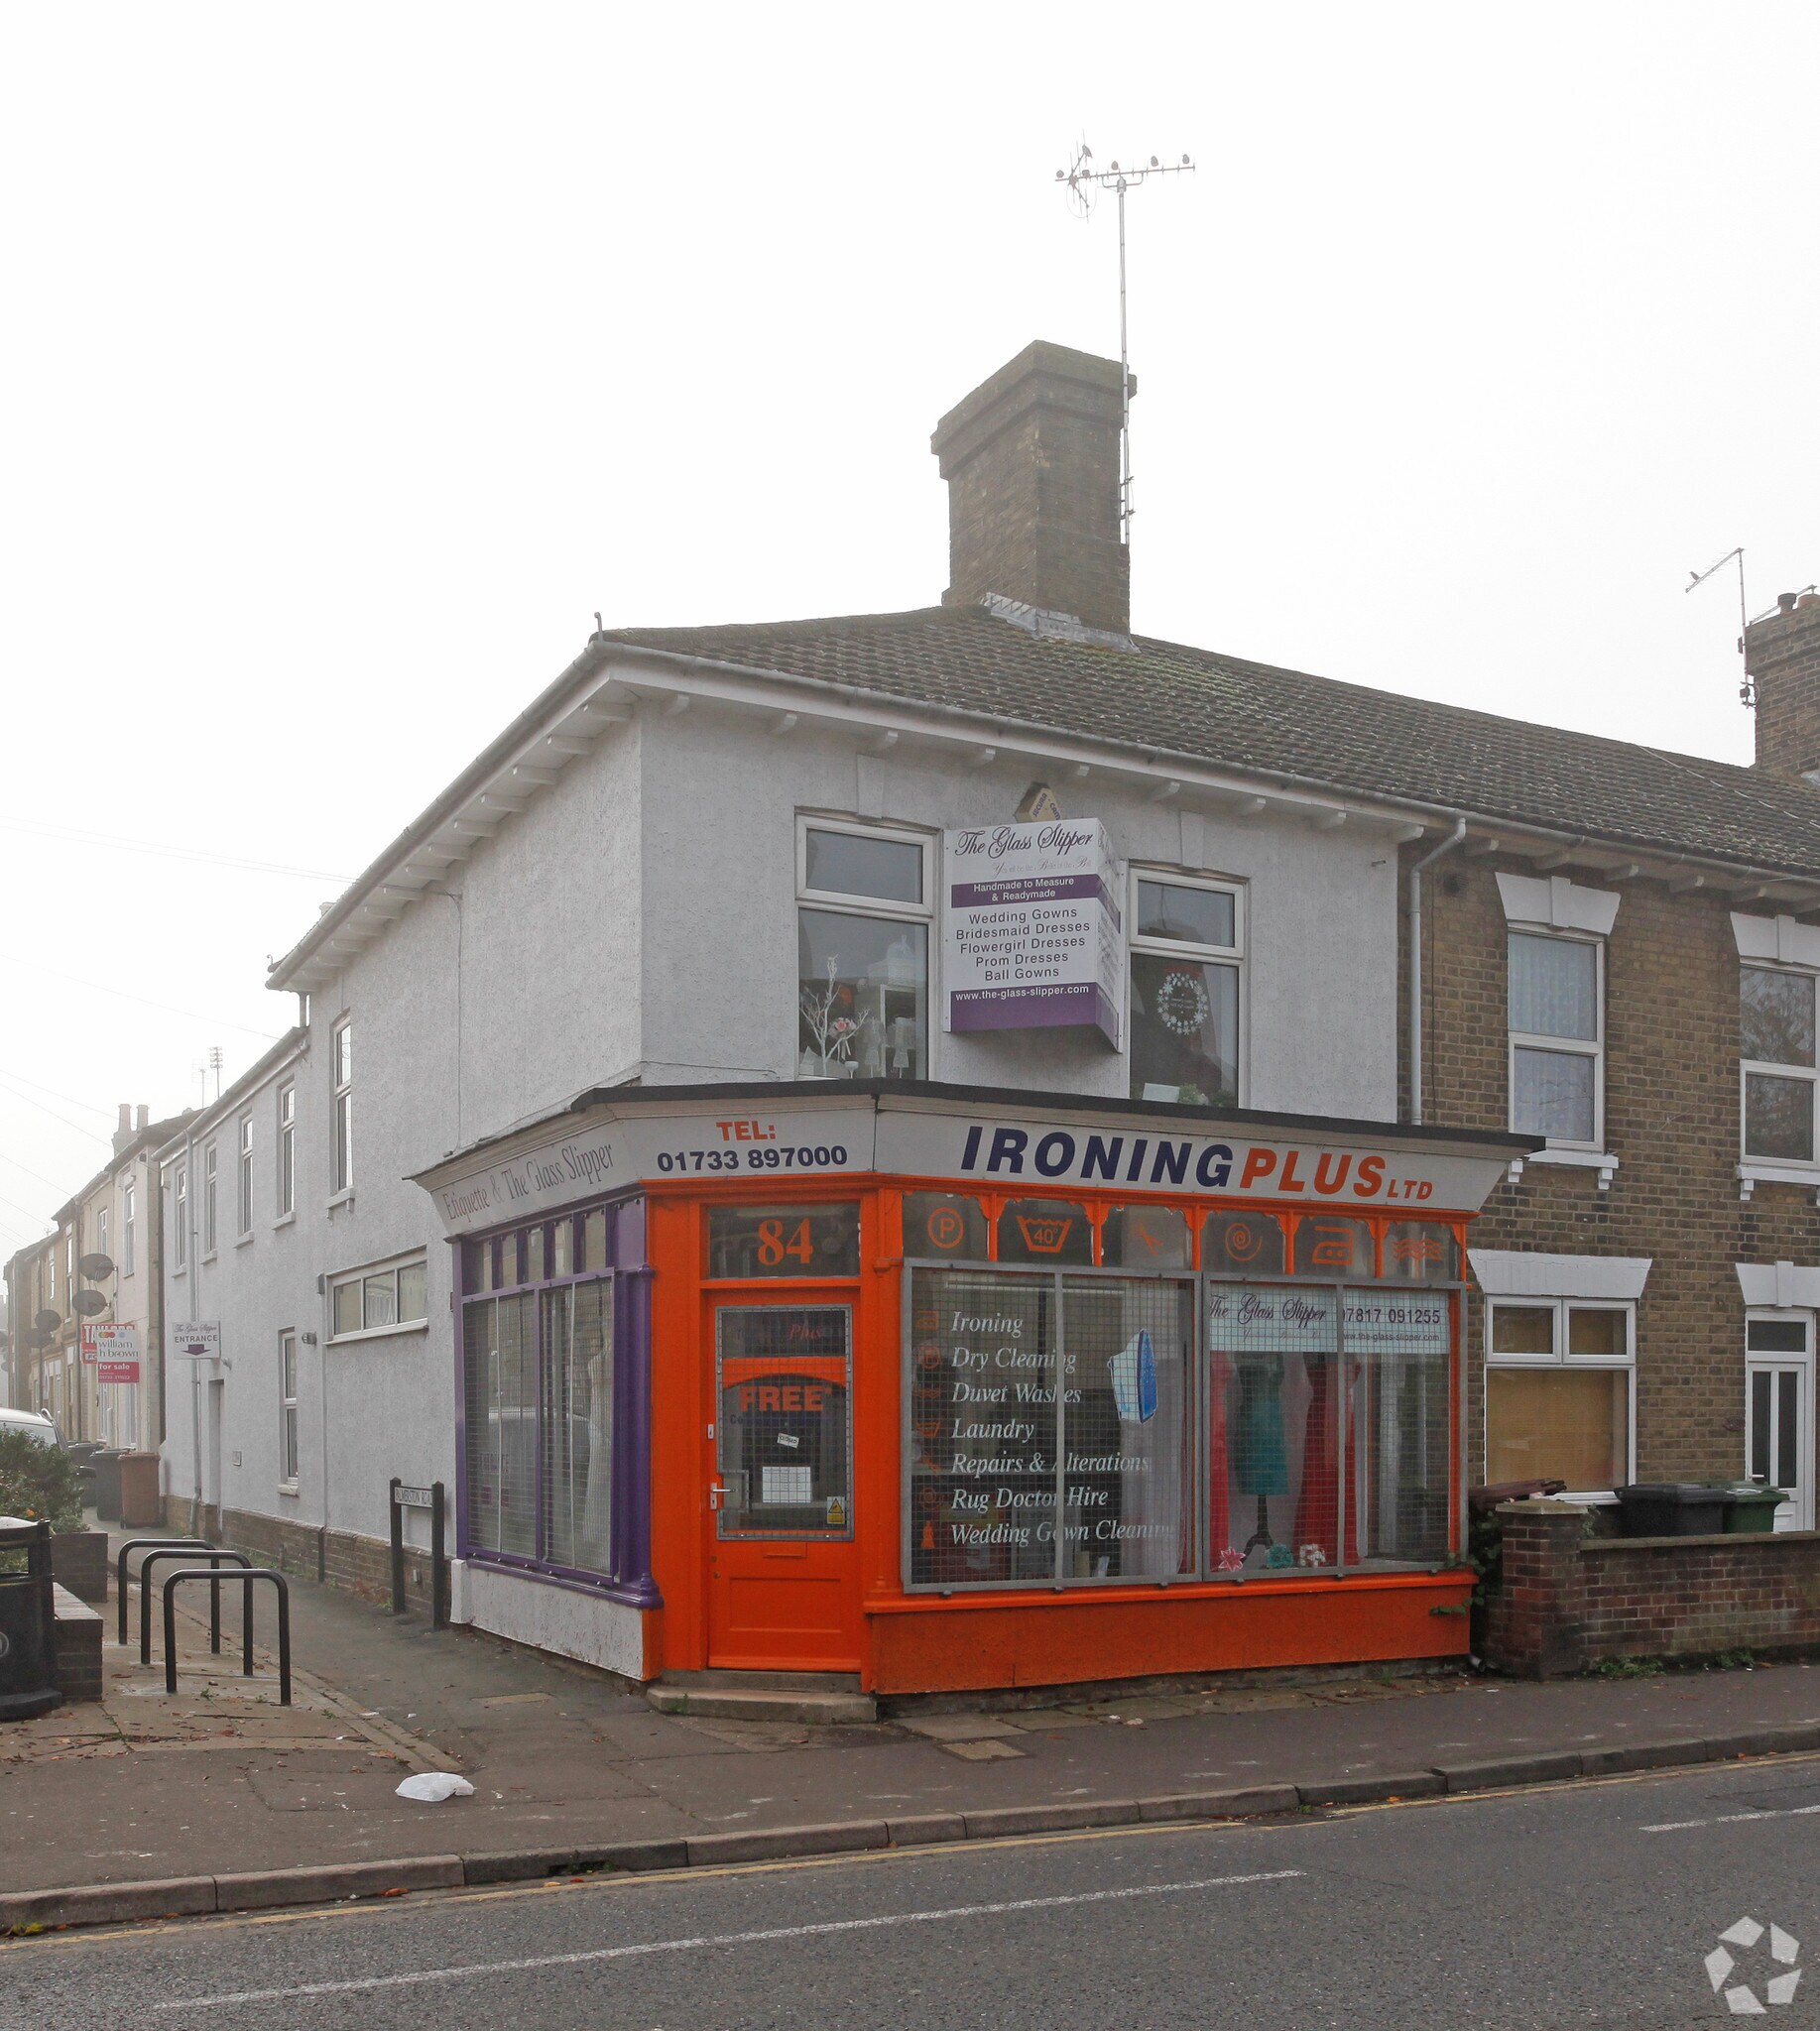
(718, 1491)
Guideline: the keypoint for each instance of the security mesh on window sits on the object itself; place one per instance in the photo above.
(1399, 1363)
(578, 1424)
(498, 1349)
(1127, 1429)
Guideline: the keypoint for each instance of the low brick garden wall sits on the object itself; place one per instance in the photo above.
(1568, 1601)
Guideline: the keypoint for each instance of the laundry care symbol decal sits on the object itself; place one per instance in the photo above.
(1721, 1964)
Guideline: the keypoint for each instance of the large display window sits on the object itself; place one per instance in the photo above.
(1091, 1428)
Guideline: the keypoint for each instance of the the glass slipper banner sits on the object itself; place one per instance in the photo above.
(1032, 934)
(1026, 1153)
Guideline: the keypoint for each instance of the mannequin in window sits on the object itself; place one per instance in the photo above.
(1261, 1455)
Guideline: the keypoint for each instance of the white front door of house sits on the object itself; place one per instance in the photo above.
(1780, 1411)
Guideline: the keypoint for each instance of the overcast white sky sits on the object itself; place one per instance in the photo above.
(354, 355)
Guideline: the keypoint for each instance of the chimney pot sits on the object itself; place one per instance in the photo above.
(1786, 601)
(1031, 462)
(143, 1121)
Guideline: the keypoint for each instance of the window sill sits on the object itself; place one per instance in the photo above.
(1753, 1171)
(1581, 1159)
(244, 1240)
(209, 1257)
(284, 1220)
(287, 1487)
(379, 1331)
(342, 1199)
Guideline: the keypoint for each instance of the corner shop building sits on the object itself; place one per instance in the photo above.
(951, 1388)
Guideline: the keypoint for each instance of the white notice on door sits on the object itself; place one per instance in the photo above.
(787, 1486)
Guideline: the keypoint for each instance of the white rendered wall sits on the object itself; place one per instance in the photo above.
(721, 800)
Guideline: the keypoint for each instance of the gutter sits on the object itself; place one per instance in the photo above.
(1427, 860)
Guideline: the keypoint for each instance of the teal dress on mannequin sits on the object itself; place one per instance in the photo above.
(1261, 1453)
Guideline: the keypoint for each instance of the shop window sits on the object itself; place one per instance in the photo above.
(1044, 1231)
(537, 1391)
(863, 967)
(1557, 1392)
(593, 1242)
(1243, 1245)
(783, 1447)
(1273, 1428)
(1146, 1238)
(1334, 1248)
(1050, 1429)
(1186, 952)
(562, 1248)
(1776, 1049)
(476, 1268)
(1556, 1037)
(944, 1224)
(1399, 1357)
(380, 1300)
(783, 1241)
(1421, 1251)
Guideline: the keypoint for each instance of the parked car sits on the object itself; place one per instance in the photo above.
(41, 1427)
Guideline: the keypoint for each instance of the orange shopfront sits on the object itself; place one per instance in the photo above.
(952, 1389)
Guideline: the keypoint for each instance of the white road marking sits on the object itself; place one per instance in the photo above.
(1780, 1812)
(727, 1939)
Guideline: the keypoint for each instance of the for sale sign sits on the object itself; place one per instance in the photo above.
(114, 1350)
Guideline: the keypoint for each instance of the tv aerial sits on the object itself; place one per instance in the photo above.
(1083, 182)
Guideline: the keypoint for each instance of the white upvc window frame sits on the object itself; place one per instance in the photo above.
(1625, 1363)
(881, 909)
(341, 1109)
(180, 1218)
(211, 1197)
(129, 1223)
(1516, 1039)
(289, 1450)
(1233, 955)
(284, 1150)
(102, 1225)
(243, 1176)
(389, 1265)
(1764, 1069)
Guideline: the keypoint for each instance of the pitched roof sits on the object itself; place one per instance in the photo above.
(1254, 717)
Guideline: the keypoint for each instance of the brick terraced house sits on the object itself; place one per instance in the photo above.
(973, 1147)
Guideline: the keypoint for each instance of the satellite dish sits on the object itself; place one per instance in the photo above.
(48, 1321)
(94, 1267)
(90, 1303)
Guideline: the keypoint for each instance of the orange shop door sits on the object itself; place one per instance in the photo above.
(784, 1590)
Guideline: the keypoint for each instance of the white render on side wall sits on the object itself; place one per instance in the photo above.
(564, 1619)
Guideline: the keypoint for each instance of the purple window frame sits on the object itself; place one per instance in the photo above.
(629, 1509)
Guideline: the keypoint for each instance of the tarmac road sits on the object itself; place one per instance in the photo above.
(1589, 1905)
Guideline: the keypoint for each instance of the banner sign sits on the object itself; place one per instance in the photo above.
(114, 1349)
(1031, 936)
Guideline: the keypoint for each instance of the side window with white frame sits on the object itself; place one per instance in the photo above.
(210, 1197)
(1187, 953)
(863, 921)
(1775, 1049)
(1557, 1037)
(287, 1410)
(387, 1299)
(179, 1214)
(102, 1235)
(129, 1227)
(244, 1180)
(286, 1148)
(1558, 1391)
(341, 1117)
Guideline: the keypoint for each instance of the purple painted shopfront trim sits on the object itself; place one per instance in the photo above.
(629, 1514)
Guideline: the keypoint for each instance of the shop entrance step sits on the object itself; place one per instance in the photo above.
(800, 1696)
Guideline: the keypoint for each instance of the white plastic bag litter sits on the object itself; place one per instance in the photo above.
(434, 1786)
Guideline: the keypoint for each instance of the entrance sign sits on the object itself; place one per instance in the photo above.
(1032, 936)
(114, 1350)
(196, 1340)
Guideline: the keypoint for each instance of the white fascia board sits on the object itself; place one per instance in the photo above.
(1503, 1272)
(1558, 903)
(1779, 939)
(828, 708)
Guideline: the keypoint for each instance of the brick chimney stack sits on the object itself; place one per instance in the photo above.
(1782, 657)
(1031, 462)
